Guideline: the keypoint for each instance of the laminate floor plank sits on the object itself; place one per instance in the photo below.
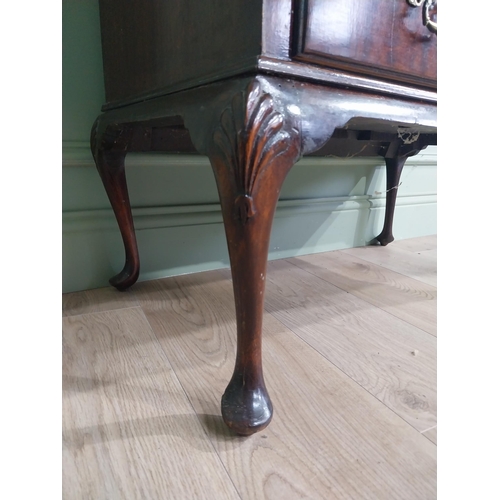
(421, 266)
(417, 245)
(129, 431)
(431, 434)
(97, 300)
(406, 298)
(329, 437)
(390, 358)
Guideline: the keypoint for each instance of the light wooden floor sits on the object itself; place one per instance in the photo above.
(349, 359)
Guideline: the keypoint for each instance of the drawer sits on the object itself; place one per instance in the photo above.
(384, 38)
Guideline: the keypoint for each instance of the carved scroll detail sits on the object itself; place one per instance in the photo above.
(251, 134)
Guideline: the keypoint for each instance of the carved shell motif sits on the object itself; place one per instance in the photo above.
(250, 136)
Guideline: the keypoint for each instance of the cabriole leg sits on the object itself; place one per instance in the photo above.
(394, 167)
(109, 150)
(252, 149)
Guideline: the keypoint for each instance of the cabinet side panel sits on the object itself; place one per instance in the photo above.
(158, 46)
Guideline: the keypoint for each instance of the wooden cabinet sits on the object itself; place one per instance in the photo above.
(162, 46)
(382, 39)
(255, 85)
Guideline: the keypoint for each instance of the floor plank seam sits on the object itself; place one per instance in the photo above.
(429, 429)
(365, 301)
(429, 439)
(346, 374)
(133, 395)
(191, 404)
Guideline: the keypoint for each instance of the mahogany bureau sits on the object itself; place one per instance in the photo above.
(255, 85)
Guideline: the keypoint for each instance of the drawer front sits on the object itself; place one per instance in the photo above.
(384, 38)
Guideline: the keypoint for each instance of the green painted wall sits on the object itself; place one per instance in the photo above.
(325, 203)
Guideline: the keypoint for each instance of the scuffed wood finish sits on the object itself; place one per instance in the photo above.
(406, 298)
(343, 79)
(125, 416)
(381, 38)
(329, 437)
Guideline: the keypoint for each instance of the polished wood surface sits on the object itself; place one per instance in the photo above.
(254, 147)
(155, 48)
(221, 80)
(109, 152)
(142, 386)
(152, 47)
(381, 38)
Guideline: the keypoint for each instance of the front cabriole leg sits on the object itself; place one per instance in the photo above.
(109, 148)
(253, 147)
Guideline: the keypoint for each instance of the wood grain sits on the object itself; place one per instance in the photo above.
(406, 298)
(420, 266)
(254, 146)
(418, 245)
(329, 437)
(125, 417)
(202, 41)
(97, 300)
(371, 346)
(368, 37)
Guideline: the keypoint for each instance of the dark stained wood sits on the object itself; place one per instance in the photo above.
(198, 42)
(253, 148)
(407, 144)
(277, 28)
(152, 45)
(253, 130)
(217, 78)
(109, 146)
(394, 167)
(343, 79)
(385, 39)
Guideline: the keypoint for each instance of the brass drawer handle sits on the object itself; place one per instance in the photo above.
(426, 17)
